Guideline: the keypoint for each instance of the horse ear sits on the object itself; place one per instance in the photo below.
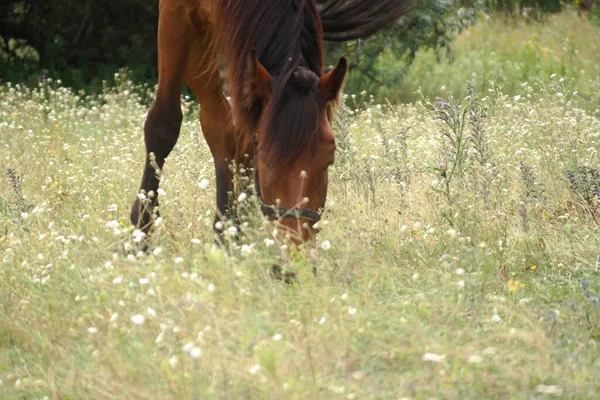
(258, 80)
(330, 84)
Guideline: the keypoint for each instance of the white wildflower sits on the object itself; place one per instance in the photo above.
(138, 319)
(254, 369)
(489, 351)
(246, 249)
(433, 357)
(549, 389)
(138, 235)
(203, 184)
(525, 300)
(195, 352)
(475, 359)
(112, 224)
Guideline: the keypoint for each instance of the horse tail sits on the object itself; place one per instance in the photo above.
(354, 19)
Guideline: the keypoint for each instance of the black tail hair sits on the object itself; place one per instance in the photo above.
(354, 19)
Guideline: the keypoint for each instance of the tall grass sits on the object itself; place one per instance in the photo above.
(458, 258)
(511, 52)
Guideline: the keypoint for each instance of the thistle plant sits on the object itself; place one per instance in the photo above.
(481, 154)
(533, 191)
(398, 155)
(14, 179)
(457, 143)
(585, 185)
(345, 151)
(453, 142)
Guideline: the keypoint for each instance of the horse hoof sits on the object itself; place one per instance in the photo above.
(288, 277)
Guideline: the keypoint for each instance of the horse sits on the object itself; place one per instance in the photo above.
(279, 119)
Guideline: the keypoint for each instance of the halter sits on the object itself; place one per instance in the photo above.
(279, 212)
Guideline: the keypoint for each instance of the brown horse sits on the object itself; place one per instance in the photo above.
(282, 99)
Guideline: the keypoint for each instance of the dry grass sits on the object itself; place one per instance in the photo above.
(421, 294)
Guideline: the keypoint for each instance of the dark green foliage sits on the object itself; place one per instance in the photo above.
(85, 42)
(378, 64)
(595, 13)
(81, 42)
(517, 5)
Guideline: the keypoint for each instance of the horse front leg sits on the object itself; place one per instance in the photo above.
(163, 123)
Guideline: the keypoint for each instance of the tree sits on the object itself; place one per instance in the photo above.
(78, 41)
(384, 58)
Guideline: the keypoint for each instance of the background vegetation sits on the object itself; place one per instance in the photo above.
(85, 43)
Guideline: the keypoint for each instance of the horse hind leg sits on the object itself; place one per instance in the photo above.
(163, 122)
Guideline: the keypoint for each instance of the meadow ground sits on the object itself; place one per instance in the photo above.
(510, 51)
(458, 257)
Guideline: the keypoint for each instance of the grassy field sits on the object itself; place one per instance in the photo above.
(511, 51)
(459, 257)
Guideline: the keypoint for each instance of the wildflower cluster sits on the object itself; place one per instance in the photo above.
(398, 265)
